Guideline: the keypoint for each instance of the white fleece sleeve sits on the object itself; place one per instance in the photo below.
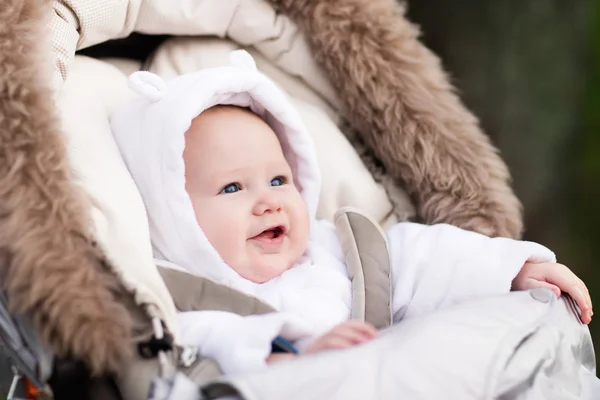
(439, 265)
(239, 344)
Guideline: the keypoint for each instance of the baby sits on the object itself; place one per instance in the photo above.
(230, 181)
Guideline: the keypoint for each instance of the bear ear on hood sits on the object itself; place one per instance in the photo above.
(147, 84)
(154, 88)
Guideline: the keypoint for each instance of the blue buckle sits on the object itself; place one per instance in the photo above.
(280, 345)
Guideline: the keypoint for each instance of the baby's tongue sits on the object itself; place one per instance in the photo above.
(267, 234)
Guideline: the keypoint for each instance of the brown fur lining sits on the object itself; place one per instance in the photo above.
(49, 267)
(395, 93)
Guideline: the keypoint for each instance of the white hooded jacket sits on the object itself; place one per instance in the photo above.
(432, 266)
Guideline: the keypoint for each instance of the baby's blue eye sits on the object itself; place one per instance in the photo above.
(279, 181)
(231, 188)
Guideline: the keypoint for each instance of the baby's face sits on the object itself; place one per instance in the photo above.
(243, 193)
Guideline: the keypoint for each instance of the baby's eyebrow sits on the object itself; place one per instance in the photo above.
(231, 171)
(280, 165)
(227, 174)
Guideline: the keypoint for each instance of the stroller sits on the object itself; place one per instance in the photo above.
(347, 72)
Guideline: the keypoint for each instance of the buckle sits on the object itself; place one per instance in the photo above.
(152, 347)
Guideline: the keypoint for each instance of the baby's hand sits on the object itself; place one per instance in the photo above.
(557, 278)
(346, 334)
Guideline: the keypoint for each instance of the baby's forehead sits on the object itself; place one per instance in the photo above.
(230, 130)
(228, 111)
(228, 120)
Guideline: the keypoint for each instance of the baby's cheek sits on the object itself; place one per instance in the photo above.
(300, 239)
(222, 230)
(234, 253)
(232, 235)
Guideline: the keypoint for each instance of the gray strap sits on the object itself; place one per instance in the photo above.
(368, 262)
(195, 293)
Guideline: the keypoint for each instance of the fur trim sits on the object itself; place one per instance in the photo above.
(396, 94)
(50, 268)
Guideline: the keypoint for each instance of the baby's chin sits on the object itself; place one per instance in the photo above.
(264, 268)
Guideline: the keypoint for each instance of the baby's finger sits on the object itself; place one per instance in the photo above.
(582, 302)
(588, 299)
(583, 293)
(354, 334)
(587, 292)
(566, 281)
(579, 292)
(364, 328)
(586, 316)
(338, 342)
(368, 330)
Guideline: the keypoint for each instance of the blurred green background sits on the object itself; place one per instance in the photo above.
(530, 70)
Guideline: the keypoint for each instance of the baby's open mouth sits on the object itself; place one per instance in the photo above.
(271, 233)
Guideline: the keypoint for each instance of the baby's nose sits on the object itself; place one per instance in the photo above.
(267, 205)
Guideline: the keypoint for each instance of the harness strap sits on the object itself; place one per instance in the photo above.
(367, 258)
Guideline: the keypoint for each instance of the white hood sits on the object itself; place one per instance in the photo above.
(150, 133)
